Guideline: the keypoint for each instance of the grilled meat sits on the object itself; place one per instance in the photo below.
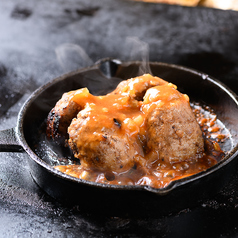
(144, 121)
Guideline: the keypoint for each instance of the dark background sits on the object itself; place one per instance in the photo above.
(31, 32)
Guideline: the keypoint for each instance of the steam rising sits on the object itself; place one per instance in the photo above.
(72, 57)
(139, 51)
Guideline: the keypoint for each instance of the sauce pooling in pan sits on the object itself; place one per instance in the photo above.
(143, 133)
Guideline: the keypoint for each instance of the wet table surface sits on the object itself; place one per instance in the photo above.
(40, 40)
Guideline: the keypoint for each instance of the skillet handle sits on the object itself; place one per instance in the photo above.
(9, 141)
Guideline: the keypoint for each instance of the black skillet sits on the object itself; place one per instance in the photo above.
(101, 78)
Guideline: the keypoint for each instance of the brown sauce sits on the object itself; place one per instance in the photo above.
(126, 116)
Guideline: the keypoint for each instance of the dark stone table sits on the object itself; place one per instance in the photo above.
(40, 40)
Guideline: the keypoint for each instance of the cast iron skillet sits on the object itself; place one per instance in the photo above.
(100, 79)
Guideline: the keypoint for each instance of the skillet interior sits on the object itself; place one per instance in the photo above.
(102, 78)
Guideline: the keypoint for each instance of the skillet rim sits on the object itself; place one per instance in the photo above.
(160, 191)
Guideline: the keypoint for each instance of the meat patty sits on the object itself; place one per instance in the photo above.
(99, 143)
(173, 134)
(136, 87)
(60, 118)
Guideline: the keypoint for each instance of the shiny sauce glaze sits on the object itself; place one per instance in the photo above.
(124, 113)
